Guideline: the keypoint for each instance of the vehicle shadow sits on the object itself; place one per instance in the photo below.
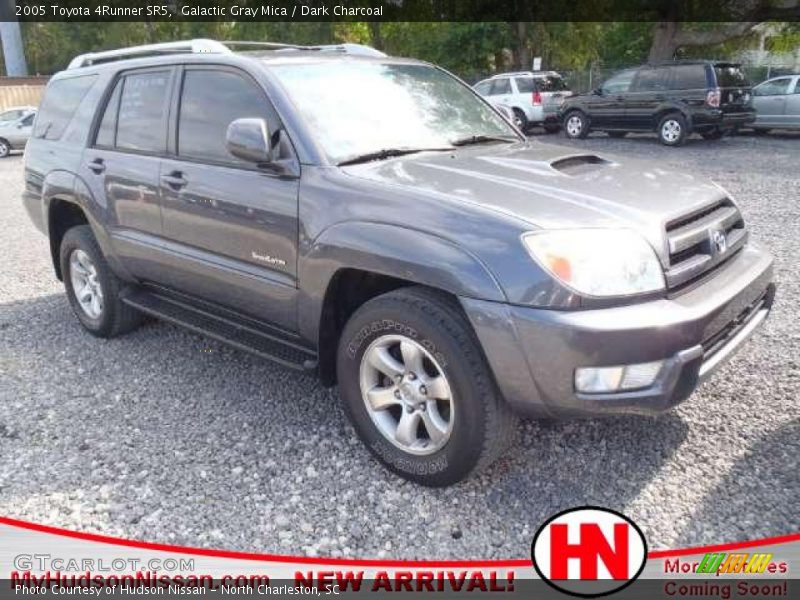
(177, 438)
(774, 459)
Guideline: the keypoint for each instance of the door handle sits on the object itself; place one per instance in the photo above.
(98, 165)
(175, 179)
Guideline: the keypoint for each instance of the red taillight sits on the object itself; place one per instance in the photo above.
(713, 98)
(536, 99)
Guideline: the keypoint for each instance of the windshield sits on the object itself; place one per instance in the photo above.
(357, 108)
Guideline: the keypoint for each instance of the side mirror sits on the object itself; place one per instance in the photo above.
(248, 139)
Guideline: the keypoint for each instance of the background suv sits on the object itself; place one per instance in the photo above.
(445, 272)
(673, 99)
(534, 96)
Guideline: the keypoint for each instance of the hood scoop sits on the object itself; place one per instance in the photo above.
(578, 164)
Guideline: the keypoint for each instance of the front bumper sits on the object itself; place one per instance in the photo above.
(534, 352)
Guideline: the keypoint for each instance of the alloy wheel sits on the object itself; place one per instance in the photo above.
(85, 284)
(671, 130)
(574, 125)
(406, 394)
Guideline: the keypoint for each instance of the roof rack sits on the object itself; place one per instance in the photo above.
(203, 46)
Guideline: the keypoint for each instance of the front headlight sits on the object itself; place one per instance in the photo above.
(598, 262)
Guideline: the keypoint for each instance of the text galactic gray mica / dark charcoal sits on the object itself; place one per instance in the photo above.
(276, 257)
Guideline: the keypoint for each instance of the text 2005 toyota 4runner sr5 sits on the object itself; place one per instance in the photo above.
(374, 220)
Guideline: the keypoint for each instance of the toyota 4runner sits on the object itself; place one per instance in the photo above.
(445, 271)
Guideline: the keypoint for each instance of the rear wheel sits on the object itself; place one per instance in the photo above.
(576, 125)
(5, 148)
(417, 388)
(672, 129)
(520, 119)
(92, 288)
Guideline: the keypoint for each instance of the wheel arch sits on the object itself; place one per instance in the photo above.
(353, 262)
(63, 213)
(666, 109)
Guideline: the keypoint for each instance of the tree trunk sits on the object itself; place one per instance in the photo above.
(523, 54)
(663, 46)
(375, 35)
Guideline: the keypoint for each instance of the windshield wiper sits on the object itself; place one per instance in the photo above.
(385, 153)
(482, 139)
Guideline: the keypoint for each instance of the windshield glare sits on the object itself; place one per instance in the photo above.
(362, 107)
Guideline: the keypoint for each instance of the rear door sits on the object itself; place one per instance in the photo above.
(230, 227)
(770, 101)
(121, 166)
(647, 94)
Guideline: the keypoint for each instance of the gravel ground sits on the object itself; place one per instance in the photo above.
(165, 436)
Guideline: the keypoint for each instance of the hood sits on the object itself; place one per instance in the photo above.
(552, 187)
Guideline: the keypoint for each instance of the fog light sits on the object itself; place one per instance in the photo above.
(598, 380)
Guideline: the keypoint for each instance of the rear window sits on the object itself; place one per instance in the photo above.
(61, 100)
(551, 83)
(689, 77)
(730, 76)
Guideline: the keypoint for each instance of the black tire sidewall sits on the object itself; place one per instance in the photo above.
(82, 238)
(681, 121)
(523, 119)
(463, 450)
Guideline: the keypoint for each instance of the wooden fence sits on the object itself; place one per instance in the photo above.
(21, 91)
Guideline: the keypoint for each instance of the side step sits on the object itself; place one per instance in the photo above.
(223, 328)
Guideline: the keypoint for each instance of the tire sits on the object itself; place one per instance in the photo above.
(552, 129)
(82, 260)
(5, 148)
(672, 129)
(617, 134)
(714, 134)
(576, 125)
(521, 119)
(474, 426)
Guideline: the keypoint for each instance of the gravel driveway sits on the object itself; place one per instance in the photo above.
(165, 436)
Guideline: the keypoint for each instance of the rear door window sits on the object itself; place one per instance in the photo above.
(730, 76)
(142, 122)
(501, 86)
(689, 77)
(525, 85)
(61, 100)
(651, 80)
(776, 87)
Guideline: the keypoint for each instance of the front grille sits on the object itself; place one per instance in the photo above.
(702, 241)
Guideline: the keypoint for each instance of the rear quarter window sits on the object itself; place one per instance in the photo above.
(689, 77)
(61, 100)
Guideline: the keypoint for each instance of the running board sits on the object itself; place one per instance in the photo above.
(223, 328)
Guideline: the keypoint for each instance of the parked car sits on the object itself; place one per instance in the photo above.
(534, 96)
(777, 104)
(673, 99)
(16, 125)
(446, 272)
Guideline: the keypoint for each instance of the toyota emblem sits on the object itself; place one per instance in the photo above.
(720, 242)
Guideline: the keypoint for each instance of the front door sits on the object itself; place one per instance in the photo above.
(230, 227)
(607, 109)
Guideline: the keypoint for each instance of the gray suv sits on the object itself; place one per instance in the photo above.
(447, 273)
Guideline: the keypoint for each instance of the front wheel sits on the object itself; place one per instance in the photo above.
(672, 129)
(417, 389)
(576, 125)
(5, 148)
